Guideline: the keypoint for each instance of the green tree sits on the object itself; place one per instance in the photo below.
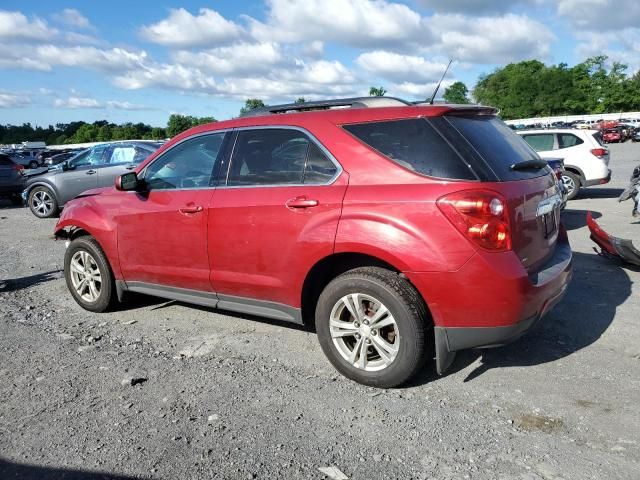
(456, 93)
(251, 104)
(300, 100)
(377, 92)
(177, 124)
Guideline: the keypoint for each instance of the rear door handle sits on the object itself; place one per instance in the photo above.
(301, 202)
(91, 172)
(188, 210)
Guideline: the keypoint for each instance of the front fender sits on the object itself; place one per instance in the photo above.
(86, 214)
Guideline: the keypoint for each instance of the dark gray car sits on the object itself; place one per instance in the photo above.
(11, 179)
(95, 167)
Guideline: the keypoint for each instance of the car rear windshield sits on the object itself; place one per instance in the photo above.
(498, 145)
(474, 147)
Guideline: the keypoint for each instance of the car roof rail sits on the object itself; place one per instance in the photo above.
(356, 102)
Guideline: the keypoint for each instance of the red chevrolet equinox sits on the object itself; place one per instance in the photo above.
(404, 231)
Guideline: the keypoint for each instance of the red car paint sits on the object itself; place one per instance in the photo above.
(256, 243)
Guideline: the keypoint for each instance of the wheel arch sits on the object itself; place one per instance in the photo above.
(328, 268)
(577, 171)
(42, 183)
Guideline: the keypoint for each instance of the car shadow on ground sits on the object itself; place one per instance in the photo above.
(31, 472)
(598, 287)
(575, 219)
(606, 192)
(14, 284)
(8, 205)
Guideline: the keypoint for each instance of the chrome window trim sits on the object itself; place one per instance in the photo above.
(312, 137)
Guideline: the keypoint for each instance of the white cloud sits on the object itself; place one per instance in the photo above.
(352, 22)
(182, 29)
(247, 58)
(418, 90)
(77, 102)
(110, 60)
(475, 7)
(73, 18)
(500, 40)
(16, 26)
(10, 100)
(173, 77)
(401, 68)
(120, 105)
(599, 15)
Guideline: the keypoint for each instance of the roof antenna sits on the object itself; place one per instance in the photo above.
(433, 97)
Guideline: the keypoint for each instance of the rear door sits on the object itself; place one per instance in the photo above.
(543, 143)
(274, 215)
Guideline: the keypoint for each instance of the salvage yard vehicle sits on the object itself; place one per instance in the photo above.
(98, 166)
(11, 179)
(586, 160)
(402, 231)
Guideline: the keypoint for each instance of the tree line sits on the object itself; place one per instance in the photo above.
(520, 90)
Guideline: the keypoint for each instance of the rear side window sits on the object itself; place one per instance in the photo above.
(566, 140)
(278, 156)
(414, 144)
(540, 142)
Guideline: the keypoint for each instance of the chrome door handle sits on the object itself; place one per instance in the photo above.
(91, 172)
(188, 210)
(301, 202)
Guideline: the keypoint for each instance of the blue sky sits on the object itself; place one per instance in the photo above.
(143, 60)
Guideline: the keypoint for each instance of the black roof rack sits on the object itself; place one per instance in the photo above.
(357, 102)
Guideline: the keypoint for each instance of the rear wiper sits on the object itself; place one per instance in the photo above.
(527, 164)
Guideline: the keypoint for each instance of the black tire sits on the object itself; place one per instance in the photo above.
(572, 183)
(413, 322)
(16, 200)
(35, 199)
(107, 297)
(33, 164)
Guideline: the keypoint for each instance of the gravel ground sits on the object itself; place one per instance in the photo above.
(166, 390)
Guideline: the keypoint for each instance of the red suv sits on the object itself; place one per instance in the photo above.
(405, 231)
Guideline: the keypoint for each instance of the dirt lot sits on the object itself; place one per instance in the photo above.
(229, 396)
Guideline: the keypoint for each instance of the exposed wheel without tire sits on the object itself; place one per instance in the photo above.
(88, 275)
(572, 183)
(374, 327)
(42, 202)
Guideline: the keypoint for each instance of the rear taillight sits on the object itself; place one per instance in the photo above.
(481, 216)
(19, 168)
(600, 152)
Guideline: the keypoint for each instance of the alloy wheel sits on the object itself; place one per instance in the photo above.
(569, 184)
(42, 202)
(85, 276)
(364, 332)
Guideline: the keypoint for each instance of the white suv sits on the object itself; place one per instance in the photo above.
(586, 161)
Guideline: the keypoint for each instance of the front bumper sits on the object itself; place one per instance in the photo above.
(492, 300)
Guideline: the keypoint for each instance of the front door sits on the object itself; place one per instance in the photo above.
(162, 229)
(274, 216)
(82, 173)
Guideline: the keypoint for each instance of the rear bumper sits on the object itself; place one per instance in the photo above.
(491, 301)
(599, 181)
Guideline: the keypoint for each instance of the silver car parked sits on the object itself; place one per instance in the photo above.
(95, 167)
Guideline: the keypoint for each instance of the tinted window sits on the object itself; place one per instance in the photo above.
(318, 169)
(93, 156)
(498, 145)
(122, 154)
(190, 164)
(414, 144)
(541, 142)
(566, 140)
(269, 156)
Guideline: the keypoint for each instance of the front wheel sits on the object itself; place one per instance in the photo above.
(42, 202)
(88, 275)
(373, 326)
(571, 183)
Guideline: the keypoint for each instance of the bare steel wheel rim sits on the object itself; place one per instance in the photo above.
(569, 184)
(42, 202)
(85, 276)
(364, 332)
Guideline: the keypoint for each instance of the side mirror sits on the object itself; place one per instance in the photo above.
(127, 182)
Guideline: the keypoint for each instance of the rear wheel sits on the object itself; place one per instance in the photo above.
(42, 202)
(571, 183)
(373, 326)
(88, 275)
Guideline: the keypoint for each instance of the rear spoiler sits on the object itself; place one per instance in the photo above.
(463, 109)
